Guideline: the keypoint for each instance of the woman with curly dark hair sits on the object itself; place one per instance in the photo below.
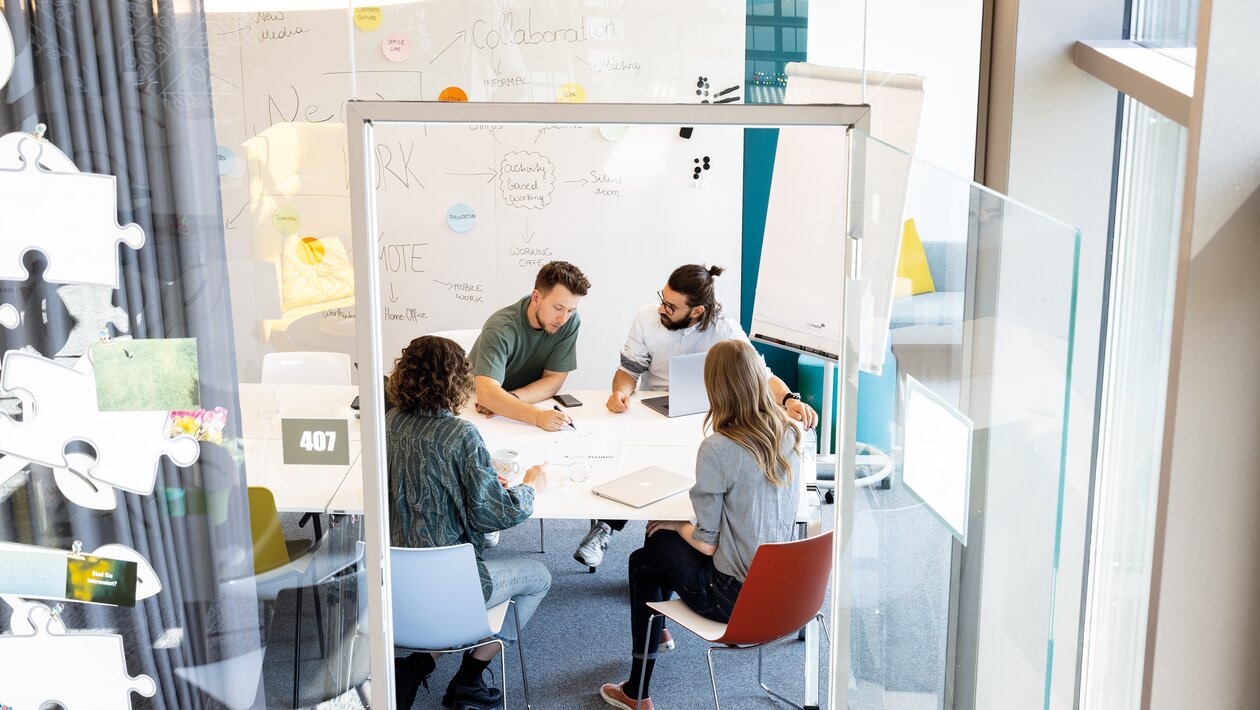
(445, 492)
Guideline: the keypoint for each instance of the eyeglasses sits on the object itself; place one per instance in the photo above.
(669, 307)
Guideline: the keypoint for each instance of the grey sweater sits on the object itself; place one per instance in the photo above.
(737, 509)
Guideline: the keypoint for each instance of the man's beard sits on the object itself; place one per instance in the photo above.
(676, 325)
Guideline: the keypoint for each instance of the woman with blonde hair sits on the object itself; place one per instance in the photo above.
(747, 491)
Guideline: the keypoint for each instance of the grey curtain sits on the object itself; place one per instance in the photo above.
(123, 88)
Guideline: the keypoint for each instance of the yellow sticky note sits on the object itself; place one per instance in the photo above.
(571, 94)
(368, 19)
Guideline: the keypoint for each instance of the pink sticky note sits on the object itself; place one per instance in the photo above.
(396, 47)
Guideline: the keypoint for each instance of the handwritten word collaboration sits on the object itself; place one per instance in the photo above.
(486, 35)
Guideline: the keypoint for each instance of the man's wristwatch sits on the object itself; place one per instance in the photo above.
(786, 397)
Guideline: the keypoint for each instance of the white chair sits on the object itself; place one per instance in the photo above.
(439, 608)
(463, 338)
(306, 368)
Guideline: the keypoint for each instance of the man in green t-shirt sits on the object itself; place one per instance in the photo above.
(527, 349)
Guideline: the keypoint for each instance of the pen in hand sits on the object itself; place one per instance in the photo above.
(558, 409)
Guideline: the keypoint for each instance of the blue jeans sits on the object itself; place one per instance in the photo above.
(523, 581)
(667, 564)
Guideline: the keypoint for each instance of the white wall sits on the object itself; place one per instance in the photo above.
(1204, 640)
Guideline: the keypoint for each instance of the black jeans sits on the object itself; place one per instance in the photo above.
(666, 563)
(616, 525)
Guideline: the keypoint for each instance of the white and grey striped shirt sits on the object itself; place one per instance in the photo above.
(650, 345)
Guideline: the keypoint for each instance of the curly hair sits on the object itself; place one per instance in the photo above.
(432, 373)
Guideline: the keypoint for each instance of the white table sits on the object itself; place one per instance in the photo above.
(645, 438)
(298, 488)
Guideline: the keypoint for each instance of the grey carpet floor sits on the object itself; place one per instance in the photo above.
(579, 637)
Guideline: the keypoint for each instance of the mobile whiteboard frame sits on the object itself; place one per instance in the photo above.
(362, 117)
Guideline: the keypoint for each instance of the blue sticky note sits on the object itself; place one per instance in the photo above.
(461, 218)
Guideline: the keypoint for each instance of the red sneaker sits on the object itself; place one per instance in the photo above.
(616, 697)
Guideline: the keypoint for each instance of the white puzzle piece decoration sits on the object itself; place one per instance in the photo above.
(6, 52)
(49, 657)
(78, 487)
(59, 406)
(92, 308)
(147, 582)
(20, 620)
(69, 216)
(51, 159)
(9, 316)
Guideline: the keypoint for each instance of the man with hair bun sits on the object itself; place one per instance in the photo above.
(526, 350)
(687, 319)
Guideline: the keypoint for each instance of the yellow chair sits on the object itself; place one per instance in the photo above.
(279, 564)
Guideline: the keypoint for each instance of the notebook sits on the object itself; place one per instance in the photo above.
(643, 487)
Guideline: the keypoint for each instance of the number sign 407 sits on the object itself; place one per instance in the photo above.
(318, 440)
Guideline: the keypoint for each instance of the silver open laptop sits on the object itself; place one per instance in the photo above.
(686, 387)
(643, 487)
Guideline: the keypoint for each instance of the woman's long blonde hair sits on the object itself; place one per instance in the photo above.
(742, 408)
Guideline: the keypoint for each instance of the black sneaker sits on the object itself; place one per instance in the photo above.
(410, 673)
(471, 694)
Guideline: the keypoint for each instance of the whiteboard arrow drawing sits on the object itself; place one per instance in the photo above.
(448, 286)
(458, 36)
(493, 174)
(392, 297)
(581, 180)
(528, 236)
(231, 223)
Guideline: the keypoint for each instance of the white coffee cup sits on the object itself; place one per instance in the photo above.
(507, 463)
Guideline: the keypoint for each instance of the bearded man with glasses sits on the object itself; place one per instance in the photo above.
(687, 319)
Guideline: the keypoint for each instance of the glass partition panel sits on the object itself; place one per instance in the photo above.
(626, 203)
(955, 543)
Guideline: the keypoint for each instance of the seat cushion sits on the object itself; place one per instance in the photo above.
(938, 308)
(913, 273)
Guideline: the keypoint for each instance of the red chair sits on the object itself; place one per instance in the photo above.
(785, 588)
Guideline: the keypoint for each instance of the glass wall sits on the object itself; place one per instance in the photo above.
(954, 567)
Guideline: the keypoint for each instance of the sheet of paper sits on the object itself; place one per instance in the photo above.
(680, 431)
(599, 440)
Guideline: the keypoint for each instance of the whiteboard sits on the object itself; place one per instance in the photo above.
(627, 212)
(281, 79)
(806, 219)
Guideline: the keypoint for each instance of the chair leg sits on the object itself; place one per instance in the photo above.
(520, 650)
(297, 647)
(503, 670)
(542, 536)
(319, 619)
(770, 692)
(713, 677)
(647, 641)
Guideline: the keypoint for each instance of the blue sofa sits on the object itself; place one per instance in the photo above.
(926, 330)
